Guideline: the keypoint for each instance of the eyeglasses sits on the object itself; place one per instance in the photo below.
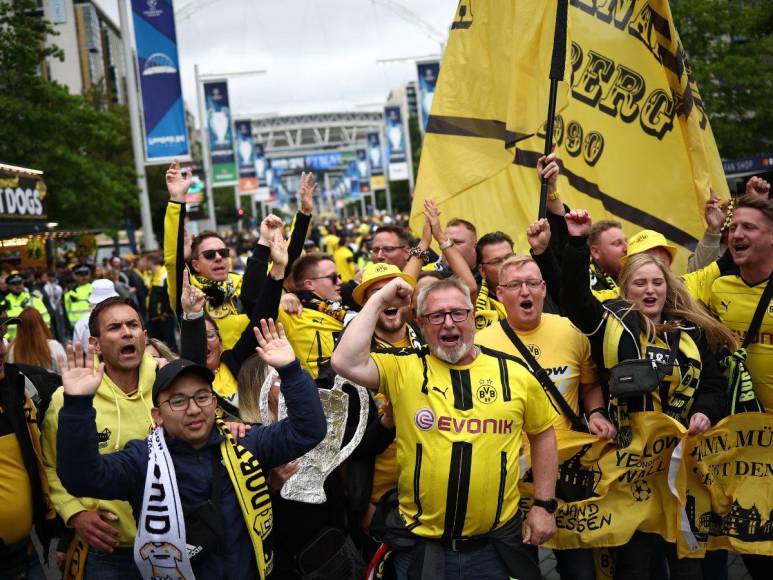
(212, 335)
(385, 249)
(210, 254)
(457, 315)
(517, 284)
(332, 277)
(497, 261)
(181, 402)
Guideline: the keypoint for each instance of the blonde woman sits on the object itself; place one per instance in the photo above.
(656, 318)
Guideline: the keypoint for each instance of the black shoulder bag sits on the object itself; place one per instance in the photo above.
(542, 376)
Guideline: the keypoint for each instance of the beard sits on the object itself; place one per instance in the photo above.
(451, 355)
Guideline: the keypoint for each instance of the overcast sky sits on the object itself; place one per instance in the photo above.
(320, 55)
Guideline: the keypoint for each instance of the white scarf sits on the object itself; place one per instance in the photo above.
(160, 549)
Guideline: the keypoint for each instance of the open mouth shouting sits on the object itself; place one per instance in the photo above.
(128, 351)
(450, 340)
(526, 305)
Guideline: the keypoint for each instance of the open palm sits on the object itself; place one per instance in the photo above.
(273, 346)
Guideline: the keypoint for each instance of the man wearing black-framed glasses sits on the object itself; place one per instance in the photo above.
(460, 411)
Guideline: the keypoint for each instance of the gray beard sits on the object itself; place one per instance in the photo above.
(451, 356)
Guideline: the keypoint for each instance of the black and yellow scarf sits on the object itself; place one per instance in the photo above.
(333, 309)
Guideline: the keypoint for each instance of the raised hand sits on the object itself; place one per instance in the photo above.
(291, 304)
(714, 214)
(578, 222)
(758, 186)
(273, 346)
(432, 217)
(192, 298)
(547, 166)
(81, 378)
(538, 235)
(309, 187)
(396, 293)
(278, 248)
(176, 184)
(267, 227)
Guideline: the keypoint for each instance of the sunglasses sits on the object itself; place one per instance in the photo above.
(332, 277)
(210, 254)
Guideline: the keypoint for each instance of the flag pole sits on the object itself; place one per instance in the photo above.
(556, 75)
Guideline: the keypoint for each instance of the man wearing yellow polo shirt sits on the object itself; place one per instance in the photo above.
(460, 411)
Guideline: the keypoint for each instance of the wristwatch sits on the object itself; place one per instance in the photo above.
(447, 244)
(549, 505)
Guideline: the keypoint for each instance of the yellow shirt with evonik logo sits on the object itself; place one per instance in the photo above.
(458, 437)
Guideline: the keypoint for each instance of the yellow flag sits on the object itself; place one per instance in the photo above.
(634, 139)
(725, 486)
(491, 93)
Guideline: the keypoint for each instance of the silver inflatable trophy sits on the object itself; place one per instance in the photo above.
(307, 484)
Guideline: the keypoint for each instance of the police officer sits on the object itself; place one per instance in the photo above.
(76, 299)
(18, 299)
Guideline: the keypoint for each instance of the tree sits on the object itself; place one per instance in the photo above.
(84, 151)
(730, 47)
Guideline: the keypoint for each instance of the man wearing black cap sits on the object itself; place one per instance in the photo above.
(18, 299)
(76, 299)
(215, 482)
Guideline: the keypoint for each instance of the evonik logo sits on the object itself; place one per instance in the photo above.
(425, 420)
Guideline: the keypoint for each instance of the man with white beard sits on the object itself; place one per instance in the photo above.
(459, 410)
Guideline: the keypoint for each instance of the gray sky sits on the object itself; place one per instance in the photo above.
(320, 54)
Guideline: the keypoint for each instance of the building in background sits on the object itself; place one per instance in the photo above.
(91, 42)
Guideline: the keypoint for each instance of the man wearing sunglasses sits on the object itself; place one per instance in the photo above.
(216, 481)
(460, 411)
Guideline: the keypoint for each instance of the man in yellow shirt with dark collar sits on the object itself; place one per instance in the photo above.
(460, 411)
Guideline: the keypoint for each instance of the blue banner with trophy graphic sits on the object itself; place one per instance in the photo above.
(397, 148)
(375, 154)
(245, 156)
(428, 73)
(158, 66)
(221, 142)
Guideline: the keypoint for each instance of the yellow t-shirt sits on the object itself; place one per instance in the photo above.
(313, 335)
(734, 301)
(458, 437)
(344, 261)
(559, 348)
(15, 491)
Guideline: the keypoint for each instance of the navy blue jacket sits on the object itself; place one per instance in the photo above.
(121, 475)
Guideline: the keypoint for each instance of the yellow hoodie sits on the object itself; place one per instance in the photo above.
(120, 418)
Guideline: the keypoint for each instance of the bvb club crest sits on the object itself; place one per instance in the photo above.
(486, 392)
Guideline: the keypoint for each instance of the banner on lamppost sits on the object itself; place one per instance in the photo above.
(260, 163)
(396, 144)
(221, 143)
(428, 73)
(375, 154)
(363, 171)
(158, 68)
(248, 175)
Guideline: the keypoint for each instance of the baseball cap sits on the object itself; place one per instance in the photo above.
(101, 290)
(646, 240)
(171, 371)
(14, 279)
(376, 272)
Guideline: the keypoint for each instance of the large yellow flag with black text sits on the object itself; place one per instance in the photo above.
(492, 92)
(634, 140)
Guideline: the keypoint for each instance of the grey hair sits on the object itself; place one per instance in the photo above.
(444, 284)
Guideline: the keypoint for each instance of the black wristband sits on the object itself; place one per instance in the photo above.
(601, 410)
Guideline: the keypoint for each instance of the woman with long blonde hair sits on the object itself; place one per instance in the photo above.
(34, 345)
(655, 321)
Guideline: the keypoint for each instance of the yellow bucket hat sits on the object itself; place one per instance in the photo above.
(375, 273)
(646, 240)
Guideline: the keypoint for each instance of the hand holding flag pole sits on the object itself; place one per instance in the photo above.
(556, 75)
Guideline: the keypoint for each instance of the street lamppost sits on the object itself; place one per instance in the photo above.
(200, 78)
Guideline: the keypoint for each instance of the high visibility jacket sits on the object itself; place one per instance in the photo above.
(17, 303)
(76, 302)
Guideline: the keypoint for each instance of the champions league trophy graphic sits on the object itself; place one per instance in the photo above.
(395, 135)
(218, 122)
(245, 151)
(307, 484)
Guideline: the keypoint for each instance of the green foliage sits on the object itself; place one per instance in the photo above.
(730, 46)
(84, 151)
